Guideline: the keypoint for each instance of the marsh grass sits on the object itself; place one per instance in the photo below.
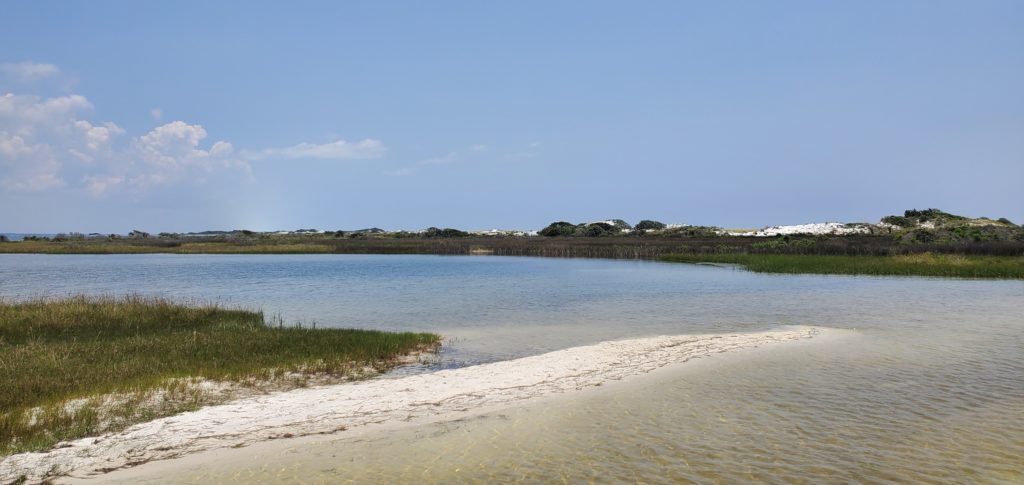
(78, 366)
(618, 247)
(923, 264)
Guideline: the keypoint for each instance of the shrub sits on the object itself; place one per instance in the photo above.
(618, 224)
(560, 228)
(930, 215)
(900, 221)
(647, 225)
(596, 230)
(444, 233)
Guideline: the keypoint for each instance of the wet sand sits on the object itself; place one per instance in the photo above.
(273, 422)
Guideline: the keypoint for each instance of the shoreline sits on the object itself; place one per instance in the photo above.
(921, 262)
(439, 396)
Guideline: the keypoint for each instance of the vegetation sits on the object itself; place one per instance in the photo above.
(611, 227)
(940, 233)
(924, 264)
(80, 366)
(433, 232)
(689, 240)
(647, 225)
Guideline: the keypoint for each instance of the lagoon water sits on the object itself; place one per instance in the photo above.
(926, 384)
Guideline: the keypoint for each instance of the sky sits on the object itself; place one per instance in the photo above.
(191, 116)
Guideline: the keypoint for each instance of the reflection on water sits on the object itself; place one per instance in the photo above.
(929, 387)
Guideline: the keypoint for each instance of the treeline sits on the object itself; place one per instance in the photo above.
(618, 227)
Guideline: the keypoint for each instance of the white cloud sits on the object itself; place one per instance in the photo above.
(337, 150)
(27, 115)
(446, 159)
(99, 185)
(44, 142)
(29, 71)
(168, 154)
(40, 136)
(157, 114)
(27, 167)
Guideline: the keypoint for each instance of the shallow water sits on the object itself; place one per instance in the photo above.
(928, 386)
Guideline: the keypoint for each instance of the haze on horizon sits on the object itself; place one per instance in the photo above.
(254, 115)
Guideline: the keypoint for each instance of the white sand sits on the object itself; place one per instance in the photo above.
(447, 394)
(820, 228)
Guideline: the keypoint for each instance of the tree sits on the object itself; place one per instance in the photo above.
(560, 228)
(648, 225)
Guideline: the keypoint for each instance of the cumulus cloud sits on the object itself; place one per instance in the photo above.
(170, 153)
(45, 143)
(337, 150)
(29, 71)
(26, 167)
(40, 136)
(175, 146)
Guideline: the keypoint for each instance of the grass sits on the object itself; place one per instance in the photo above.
(79, 366)
(618, 247)
(923, 264)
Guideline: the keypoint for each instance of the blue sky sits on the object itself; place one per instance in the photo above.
(219, 115)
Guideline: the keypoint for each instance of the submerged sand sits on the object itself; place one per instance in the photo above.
(447, 394)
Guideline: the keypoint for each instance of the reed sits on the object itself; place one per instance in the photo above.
(921, 264)
(617, 247)
(77, 366)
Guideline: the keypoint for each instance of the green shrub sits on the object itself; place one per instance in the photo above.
(648, 225)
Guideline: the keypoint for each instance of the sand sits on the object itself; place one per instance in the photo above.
(447, 394)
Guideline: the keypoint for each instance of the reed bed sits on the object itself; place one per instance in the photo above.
(78, 366)
(922, 264)
(616, 247)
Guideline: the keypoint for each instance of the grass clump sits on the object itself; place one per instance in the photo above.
(79, 366)
(921, 264)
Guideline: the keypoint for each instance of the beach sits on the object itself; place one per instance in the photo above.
(437, 396)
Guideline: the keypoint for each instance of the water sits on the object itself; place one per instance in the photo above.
(927, 386)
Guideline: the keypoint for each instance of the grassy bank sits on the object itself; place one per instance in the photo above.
(617, 247)
(81, 366)
(926, 264)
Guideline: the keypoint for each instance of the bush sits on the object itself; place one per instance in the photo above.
(900, 221)
(647, 225)
(560, 228)
(596, 230)
(930, 215)
(444, 233)
(619, 224)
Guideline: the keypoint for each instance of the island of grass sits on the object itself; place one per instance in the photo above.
(922, 264)
(81, 366)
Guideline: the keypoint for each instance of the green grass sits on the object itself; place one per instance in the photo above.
(925, 264)
(56, 351)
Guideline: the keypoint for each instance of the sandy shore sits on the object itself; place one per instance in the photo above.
(448, 394)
